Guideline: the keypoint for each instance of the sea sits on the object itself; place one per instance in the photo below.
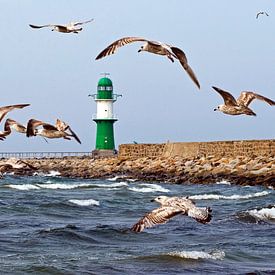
(55, 225)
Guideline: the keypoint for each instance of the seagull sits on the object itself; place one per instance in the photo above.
(170, 207)
(3, 111)
(10, 125)
(68, 28)
(232, 106)
(155, 47)
(261, 13)
(50, 131)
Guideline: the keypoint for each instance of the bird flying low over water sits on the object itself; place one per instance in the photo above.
(170, 207)
(261, 13)
(153, 47)
(60, 130)
(232, 106)
(68, 28)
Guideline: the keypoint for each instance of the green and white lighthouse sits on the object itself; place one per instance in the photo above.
(104, 117)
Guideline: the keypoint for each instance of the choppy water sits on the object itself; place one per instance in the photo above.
(52, 225)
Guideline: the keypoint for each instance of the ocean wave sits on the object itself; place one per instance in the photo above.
(196, 255)
(64, 186)
(112, 185)
(51, 173)
(267, 213)
(149, 187)
(87, 202)
(232, 197)
(23, 187)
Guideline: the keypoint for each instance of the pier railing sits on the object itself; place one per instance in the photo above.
(43, 154)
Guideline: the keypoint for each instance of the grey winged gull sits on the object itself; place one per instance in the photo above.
(154, 47)
(232, 106)
(72, 27)
(170, 207)
(59, 130)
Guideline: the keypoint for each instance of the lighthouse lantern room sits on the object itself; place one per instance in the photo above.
(104, 117)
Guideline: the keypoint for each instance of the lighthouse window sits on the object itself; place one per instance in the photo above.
(101, 88)
(109, 88)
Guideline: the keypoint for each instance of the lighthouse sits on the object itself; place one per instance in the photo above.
(104, 118)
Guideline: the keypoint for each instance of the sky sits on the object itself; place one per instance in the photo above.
(225, 44)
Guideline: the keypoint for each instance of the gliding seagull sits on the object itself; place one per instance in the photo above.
(51, 131)
(68, 28)
(170, 207)
(155, 47)
(232, 106)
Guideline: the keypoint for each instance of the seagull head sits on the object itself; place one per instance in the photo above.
(160, 199)
(218, 108)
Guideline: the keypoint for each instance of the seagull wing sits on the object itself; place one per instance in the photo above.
(33, 124)
(10, 123)
(227, 97)
(247, 97)
(4, 110)
(43, 26)
(81, 23)
(111, 49)
(49, 127)
(74, 135)
(183, 61)
(200, 214)
(158, 216)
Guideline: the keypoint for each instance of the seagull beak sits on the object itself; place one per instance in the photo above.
(139, 50)
(152, 200)
(215, 109)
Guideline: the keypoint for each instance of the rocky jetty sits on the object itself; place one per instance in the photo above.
(237, 170)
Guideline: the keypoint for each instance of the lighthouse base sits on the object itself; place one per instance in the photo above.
(104, 153)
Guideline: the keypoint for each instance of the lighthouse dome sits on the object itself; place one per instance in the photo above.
(105, 81)
(105, 88)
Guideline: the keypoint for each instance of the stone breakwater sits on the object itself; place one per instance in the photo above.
(237, 170)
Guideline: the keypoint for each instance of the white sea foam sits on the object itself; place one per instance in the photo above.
(225, 182)
(64, 186)
(116, 177)
(263, 214)
(87, 202)
(23, 186)
(51, 173)
(149, 187)
(216, 255)
(112, 185)
(232, 197)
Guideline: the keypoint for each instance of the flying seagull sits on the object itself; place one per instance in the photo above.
(68, 28)
(232, 106)
(3, 111)
(153, 47)
(60, 130)
(170, 207)
(10, 125)
(261, 13)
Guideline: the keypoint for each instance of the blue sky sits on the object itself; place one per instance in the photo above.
(54, 72)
